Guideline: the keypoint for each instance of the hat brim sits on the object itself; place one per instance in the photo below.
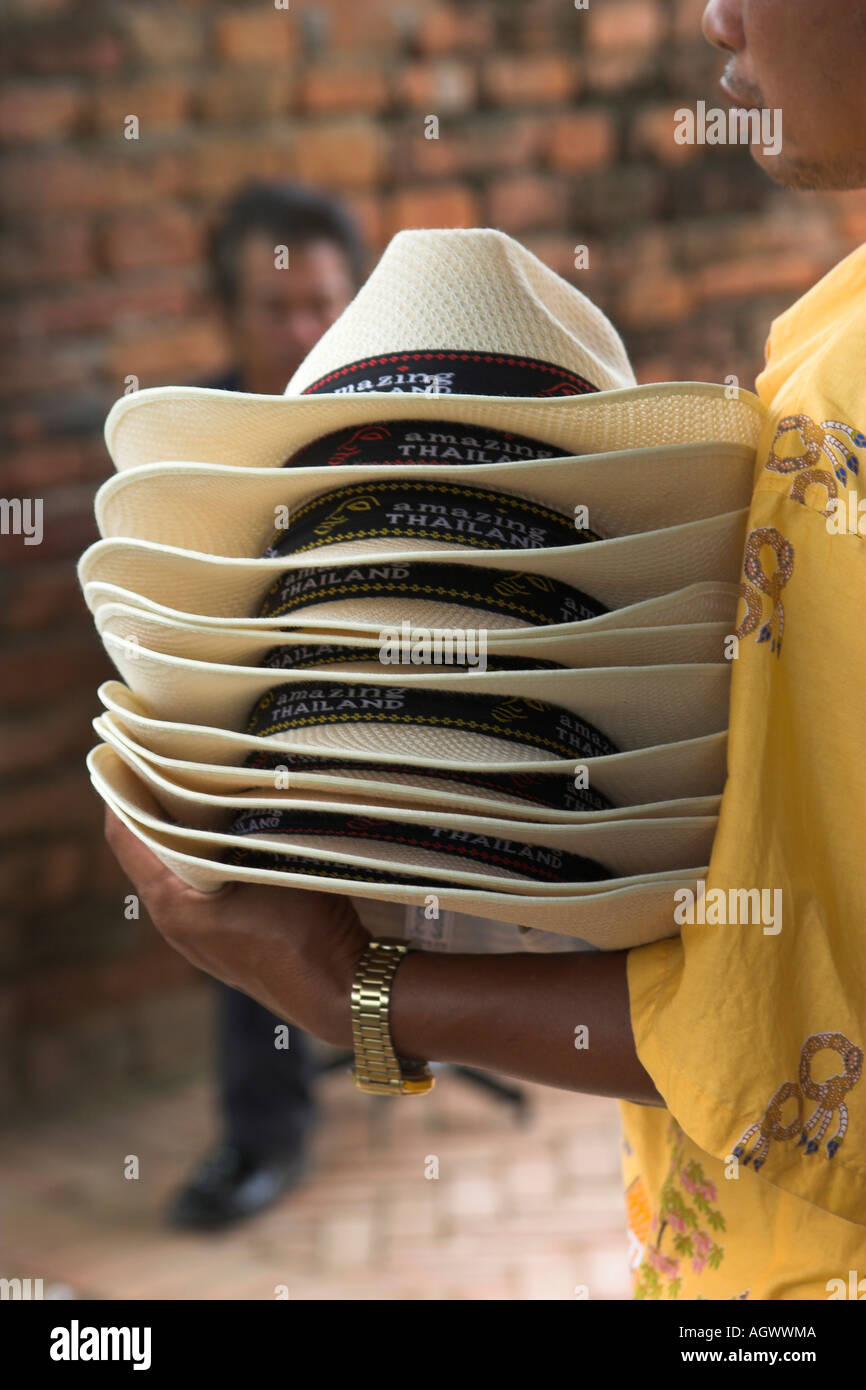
(220, 510)
(635, 707)
(415, 788)
(233, 427)
(630, 849)
(619, 572)
(615, 920)
(697, 603)
(685, 768)
(680, 643)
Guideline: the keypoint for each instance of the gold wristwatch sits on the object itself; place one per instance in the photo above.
(377, 1067)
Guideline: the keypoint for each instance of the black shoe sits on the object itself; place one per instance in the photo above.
(231, 1184)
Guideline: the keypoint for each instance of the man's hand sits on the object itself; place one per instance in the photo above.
(294, 951)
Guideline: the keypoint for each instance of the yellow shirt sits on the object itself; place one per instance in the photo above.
(752, 1183)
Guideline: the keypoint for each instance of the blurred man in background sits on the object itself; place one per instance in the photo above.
(273, 314)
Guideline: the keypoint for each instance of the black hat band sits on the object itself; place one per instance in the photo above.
(513, 719)
(399, 442)
(448, 373)
(395, 509)
(539, 863)
(534, 599)
(558, 793)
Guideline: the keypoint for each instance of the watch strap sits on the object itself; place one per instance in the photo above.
(378, 1069)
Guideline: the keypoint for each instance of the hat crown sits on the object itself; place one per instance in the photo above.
(469, 290)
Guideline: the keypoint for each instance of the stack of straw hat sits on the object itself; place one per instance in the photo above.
(443, 627)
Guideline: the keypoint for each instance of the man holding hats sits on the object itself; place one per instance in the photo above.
(736, 1046)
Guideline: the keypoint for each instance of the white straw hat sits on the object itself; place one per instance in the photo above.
(254, 646)
(614, 573)
(636, 775)
(684, 768)
(445, 314)
(219, 510)
(475, 852)
(590, 528)
(519, 710)
(610, 918)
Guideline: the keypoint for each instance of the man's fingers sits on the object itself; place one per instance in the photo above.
(154, 881)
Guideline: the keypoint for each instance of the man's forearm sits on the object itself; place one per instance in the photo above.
(520, 1015)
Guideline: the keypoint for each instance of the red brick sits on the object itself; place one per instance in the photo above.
(40, 876)
(241, 94)
(30, 8)
(444, 205)
(32, 253)
(546, 80)
(255, 36)
(540, 25)
(688, 16)
(160, 103)
(504, 142)
(76, 182)
(619, 195)
(378, 27)
(582, 140)
(164, 35)
(163, 355)
(343, 86)
(60, 731)
(58, 803)
(449, 28)
(614, 71)
(651, 299)
(558, 253)
(40, 110)
(348, 155)
(413, 157)
(748, 276)
(67, 48)
(653, 133)
(38, 599)
(34, 674)
(24, 371)
(75, 991)
(624, 24)
(101, 307)
(50, 461)
(219, 165)
(524, 200)
(436, 88)
(169, 235)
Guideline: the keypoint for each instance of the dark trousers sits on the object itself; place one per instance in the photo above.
(266, 1093)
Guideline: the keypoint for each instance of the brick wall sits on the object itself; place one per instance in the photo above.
(555, 125)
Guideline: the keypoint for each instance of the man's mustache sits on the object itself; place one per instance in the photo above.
(744, 92)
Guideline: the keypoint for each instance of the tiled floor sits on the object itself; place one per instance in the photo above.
(516, 1212)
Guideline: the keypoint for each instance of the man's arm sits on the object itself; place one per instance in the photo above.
(518, 1014)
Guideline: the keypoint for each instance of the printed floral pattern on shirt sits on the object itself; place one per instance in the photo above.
(683, 1230)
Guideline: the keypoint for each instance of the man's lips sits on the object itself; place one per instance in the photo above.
(738, 98)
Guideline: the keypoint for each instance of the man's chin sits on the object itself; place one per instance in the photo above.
(811, 176)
